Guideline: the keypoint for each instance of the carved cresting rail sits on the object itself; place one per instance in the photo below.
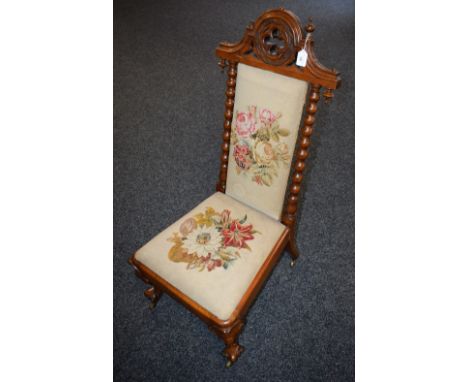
(272, 43)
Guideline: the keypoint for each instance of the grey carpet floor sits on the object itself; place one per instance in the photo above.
(168, 118)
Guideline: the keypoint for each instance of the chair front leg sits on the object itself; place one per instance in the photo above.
(154, 295)
(230, 336)
(292, 249)
(152, 292)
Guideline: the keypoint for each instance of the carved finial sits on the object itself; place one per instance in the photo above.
(309, 27)
(222, 64)
(328, 95)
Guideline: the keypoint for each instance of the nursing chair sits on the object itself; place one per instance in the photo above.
(216, 258)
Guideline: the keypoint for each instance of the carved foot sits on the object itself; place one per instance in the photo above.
(230, 336)
(232, 353)
(154, 295)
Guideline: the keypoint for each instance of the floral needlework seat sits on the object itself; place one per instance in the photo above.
(215, 259)
(213, 253)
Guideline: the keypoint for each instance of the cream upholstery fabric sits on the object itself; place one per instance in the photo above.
(267, 113)
(230, 247)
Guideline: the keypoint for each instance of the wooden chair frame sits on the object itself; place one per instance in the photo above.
(254, 51)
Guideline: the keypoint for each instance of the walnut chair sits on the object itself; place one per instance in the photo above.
(216, 258)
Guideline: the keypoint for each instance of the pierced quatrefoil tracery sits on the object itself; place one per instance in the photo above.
(275, 42)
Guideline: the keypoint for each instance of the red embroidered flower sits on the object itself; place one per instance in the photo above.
(237, 234)
(258, 179)
(243, 156)
(213, 264)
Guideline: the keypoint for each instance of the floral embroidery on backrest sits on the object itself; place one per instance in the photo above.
(210, 240)
(258, 150)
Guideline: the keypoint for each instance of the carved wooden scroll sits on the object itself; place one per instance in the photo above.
(272, 43)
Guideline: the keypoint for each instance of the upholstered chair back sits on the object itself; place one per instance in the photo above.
(267, 114)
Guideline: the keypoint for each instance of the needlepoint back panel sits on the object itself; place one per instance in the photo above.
(267, 114)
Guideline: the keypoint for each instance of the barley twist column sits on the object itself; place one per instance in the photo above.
(289, 214)
(228, 114)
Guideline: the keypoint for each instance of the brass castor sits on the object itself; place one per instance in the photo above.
(228, 364)
(292, 263)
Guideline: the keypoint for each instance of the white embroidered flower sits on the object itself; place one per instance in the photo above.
(203, 241)
(263, 153)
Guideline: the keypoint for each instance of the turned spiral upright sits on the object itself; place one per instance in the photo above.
(228, 114)
(289, 214)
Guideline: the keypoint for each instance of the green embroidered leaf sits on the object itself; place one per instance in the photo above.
(246, 246)
(243, 220)
(275, 136)
(234, 138)
(225, 256)
(225, 265)
(263, 134)
(266, 179)
(283, 132)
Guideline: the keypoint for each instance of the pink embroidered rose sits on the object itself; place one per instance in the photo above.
(188, 226)
(225, 218)
(267, 117)
(243, 156)
(245, 124)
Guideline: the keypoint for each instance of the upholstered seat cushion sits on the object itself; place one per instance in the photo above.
(213, 253)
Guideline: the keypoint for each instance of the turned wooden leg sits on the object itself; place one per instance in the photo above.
(230, 336)
(293, 251)
(154, 295)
